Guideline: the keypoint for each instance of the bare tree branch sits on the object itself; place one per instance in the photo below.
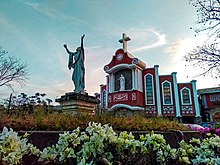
(207, 56)
(12, 70)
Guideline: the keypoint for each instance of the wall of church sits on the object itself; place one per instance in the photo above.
(188, 108)
(151, 109)
(131, 98)
(167, 100)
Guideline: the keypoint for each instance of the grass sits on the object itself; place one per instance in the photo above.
(60, 122)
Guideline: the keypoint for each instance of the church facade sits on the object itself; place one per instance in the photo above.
(132, 87)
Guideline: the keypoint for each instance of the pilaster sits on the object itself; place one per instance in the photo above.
(176, 95)
(158, 90)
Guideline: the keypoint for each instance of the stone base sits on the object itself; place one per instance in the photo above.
(72, 103)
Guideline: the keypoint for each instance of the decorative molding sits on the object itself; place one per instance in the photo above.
(133, 97)
(171, 98)
(126, 106)
(181, 96)
(145, 76)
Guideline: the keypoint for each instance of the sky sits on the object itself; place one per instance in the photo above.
(35, 31)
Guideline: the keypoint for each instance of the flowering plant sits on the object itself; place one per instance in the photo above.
(102, 142)
(204, 130)
(13, 147)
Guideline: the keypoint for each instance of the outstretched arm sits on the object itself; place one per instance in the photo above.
(67, 50)
(82, 40)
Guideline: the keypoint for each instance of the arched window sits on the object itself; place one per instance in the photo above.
(149, 89)
(104, 99)
(167, 93)
(186, 96)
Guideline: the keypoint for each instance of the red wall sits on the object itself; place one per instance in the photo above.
(126, 98)
(170, 79)
(189, 86)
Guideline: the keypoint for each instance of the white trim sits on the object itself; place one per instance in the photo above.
(181, 96)
(171, 98)
(121, 67)
(126, 106)
(157, 81)
(145, 90)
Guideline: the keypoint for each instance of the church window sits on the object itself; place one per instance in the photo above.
(214, 98)
(149, 90)
(104, 99)
(167, 94)
(185, 96)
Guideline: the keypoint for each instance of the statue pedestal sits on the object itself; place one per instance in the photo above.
(72, 103)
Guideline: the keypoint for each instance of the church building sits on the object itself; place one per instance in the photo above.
(132, 87)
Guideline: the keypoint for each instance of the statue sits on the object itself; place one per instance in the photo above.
(78, 67)
(122, 83)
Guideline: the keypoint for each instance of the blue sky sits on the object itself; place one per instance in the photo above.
(35, 31)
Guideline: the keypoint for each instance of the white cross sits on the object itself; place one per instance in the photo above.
(124, 40)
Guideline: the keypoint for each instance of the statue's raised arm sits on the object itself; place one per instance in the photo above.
(67, 50)
(82, 37)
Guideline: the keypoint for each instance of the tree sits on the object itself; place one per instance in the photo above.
(207, 55)
(24, 104)
(12, 70)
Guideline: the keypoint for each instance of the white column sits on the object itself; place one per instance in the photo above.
(176, 95)
(107, 90)
(196, 101)
(133, 79)
(140, 81)
(158, 90)
(136, 79)
(111, 83)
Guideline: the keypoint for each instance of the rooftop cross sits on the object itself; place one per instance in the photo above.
(124, 40)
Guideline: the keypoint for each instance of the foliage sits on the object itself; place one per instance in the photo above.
(24, 104)
(207, 56)
(41, 121)
(13, 147)
(12, 70)
(101, 141)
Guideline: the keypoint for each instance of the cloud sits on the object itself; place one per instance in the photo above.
(48, 11)
(146, 39)
(180, 47)
(52, 10)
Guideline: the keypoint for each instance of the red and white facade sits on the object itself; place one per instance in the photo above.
(210, 104)
(145, 90)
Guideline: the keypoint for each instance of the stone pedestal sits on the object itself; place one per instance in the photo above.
(72, 103)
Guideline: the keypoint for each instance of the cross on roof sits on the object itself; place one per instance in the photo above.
(124, 40)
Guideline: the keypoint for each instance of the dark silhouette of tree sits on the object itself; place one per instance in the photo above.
(24, 104)
(12, 70)
(207, 56)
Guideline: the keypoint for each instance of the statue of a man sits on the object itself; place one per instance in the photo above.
(122, 82)
(78, 75)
